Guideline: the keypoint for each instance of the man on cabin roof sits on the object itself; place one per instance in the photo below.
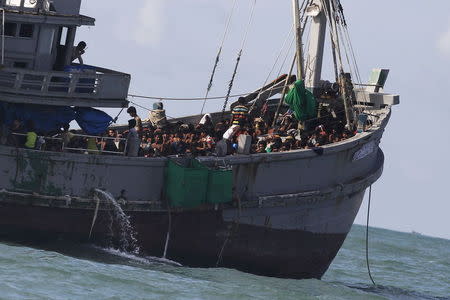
(78, 51)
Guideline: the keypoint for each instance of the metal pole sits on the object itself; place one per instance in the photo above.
(342, 80)
(3, 36)
(284, 92)
(298, 34)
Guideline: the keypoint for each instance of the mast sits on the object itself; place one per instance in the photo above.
(298, 34)
(314, 59)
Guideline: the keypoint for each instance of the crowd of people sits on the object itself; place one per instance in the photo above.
(157, 137)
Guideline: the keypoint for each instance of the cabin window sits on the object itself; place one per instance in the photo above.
(26, 30)
(10, 29)
(30, 3)
(20, 64)
(13, 2)
(63, 39)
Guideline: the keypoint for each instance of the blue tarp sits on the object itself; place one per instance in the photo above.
(45, 118)
(51, 118)
(91, 120)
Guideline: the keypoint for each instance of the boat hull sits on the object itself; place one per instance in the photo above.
(196, 239)
(242, 238)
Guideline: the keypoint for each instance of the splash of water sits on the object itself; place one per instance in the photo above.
(126, 233)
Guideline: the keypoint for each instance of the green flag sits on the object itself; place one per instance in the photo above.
(302, 102)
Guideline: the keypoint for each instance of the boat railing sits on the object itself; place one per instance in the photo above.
(64, 148)
(88, 83)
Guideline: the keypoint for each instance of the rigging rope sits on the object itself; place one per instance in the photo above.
(185, 99)
(117, 117)
(367, 237)
(275, 63)
(211, 80)
(284, 91)
(230, 85)
(147, 109)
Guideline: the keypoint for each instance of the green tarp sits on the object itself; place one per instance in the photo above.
(194, 184)
(302, 102)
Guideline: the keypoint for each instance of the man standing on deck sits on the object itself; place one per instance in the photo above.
(132, 112)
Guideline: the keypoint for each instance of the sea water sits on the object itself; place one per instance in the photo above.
(404, 266)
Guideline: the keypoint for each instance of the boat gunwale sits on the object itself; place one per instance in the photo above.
(359, 139)
(287, 200)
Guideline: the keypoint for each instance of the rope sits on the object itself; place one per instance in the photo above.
(168, 233)
(211, 80)
(95, 214)
(186, 99)
(367, 237)
(231, 232)
(117, 117)
(275, 63)
(244, 41)
(147, 109)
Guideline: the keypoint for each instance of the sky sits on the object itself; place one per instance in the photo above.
(169, 48)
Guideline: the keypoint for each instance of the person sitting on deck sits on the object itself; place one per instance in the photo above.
(132, 112)
(239, 118)
(109, 143)
(206, 124)
(133, 141)
(78, 51)
(157, 116)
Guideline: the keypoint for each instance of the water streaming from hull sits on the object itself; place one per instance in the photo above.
(127, 241)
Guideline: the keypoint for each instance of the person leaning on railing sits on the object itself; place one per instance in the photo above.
(66, 136)
(133, 141)
(78, 51)
(109, 144)
(92, 145)
(31, 135)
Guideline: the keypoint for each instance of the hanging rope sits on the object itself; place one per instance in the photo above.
(185, 99)
(97, 200)
(367, 237)
(230, 85)
(166, 245)
(211, 80)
